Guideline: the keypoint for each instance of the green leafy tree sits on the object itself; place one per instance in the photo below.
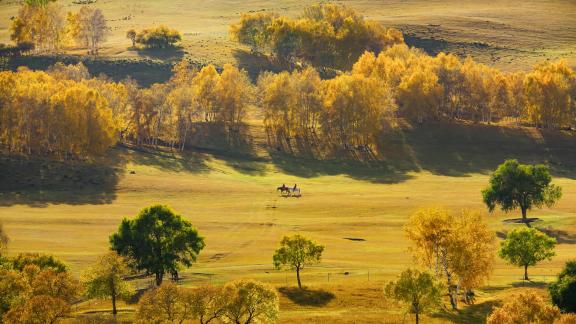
(563, 291)
(297, 252)
(105, 279)
(158, 240)
(526, 247)
(418, 290)
(514, 185)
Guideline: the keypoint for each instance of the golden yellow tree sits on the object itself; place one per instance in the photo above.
(459, 248)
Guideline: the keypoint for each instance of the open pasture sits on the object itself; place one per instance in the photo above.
(357, 212)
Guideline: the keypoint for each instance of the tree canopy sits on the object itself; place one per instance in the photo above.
(418, 290)
(297, 252)
(526, 247)
(563, 291)
(105, 279)
(158, 241)
(459, 248)
(525, 307)
(514, 185)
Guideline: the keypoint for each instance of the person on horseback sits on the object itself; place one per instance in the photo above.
(294, 189)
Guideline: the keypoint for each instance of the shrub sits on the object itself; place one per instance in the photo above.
(159, 37)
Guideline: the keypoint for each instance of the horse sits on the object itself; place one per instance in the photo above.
(295, 192)
(283, 190)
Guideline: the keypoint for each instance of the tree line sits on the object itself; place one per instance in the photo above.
(66, 113)
(355, 109)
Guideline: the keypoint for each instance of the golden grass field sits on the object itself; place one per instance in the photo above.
(231, 198)
(69, 210)
(509, 34)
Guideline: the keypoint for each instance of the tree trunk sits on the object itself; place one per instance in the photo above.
(298, 277)
(159, 276)
(114, 311)
(526, 272)
(417, 318)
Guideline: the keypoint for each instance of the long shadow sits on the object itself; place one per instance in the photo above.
(379, 172)
(254, 63)
(561, 236)
(38, 183)
(477, 313)
(307, 297)
(175, 53)
(458, 149)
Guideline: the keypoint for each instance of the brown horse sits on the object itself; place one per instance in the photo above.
(283, 190)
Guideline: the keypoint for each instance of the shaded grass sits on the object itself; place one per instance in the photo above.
(307, 297)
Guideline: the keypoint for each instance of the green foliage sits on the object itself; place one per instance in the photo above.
(297, 252)
(158, 240)
(159, 37)
(418, 290)
(104, 279)
(514, 185)
(526, 247)
(563, 291)
(42, 261)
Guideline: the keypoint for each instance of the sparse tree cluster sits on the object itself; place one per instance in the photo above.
(325, 35)
(88, 28)
(244, 301)
(157, 37)
(43, 25)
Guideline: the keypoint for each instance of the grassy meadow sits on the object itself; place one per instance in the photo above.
(356, 211)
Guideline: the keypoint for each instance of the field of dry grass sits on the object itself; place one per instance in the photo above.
(357, 212)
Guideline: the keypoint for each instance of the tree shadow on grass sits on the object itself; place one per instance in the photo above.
(175, 53)
(477, 313)
(561, 236)
(307, 297)
(378, 172)
(40, 182)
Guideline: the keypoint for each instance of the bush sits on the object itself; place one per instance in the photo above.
(159, 37)
(563, 291)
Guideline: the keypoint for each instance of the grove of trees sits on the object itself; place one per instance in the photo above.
(242, 301)
(325, 35)
(157, 37)
(64, 113)
(44, 25)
